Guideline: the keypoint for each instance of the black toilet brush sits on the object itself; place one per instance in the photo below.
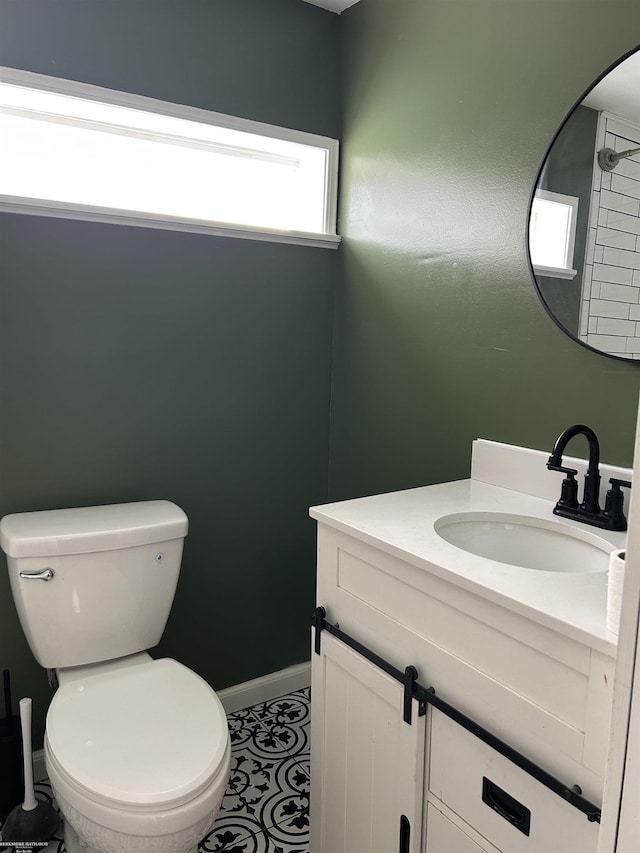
(34, 820)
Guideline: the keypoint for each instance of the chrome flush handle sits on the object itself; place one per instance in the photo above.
(44, 575)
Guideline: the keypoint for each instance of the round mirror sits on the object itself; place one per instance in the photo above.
(584, 217)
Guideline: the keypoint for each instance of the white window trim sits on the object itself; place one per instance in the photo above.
(572, 202)
(62, 210)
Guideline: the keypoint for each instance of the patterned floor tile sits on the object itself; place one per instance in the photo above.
(265, 740)
(229, 840)
(235, 833)
(290, 709)
(269, 782)
(274, 846)
(266, 806)
(287, 722)
(286, 812)
(242, 727)
(278, 847)
(251, 783)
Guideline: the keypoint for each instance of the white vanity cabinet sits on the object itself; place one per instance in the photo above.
(524, 669)
(375, 777)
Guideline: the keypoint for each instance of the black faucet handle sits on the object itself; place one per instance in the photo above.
(569, 492)
(617, 483)
(551, 465)
(613, 508)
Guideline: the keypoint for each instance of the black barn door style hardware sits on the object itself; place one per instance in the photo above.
(427, 696)
(408, 678)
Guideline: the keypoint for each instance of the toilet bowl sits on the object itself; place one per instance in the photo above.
(137, 755)
(137, 750)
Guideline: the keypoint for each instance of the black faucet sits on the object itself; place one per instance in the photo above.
(589, 512)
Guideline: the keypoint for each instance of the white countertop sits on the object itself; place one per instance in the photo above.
(402, 525)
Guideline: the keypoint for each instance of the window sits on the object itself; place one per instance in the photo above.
(85, 152)
(552, 232)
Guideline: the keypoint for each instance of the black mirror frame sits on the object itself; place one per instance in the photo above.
(530, 204)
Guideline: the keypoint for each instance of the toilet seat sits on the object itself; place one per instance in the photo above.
(144, 738)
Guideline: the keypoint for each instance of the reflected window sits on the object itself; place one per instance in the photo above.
(552, 233)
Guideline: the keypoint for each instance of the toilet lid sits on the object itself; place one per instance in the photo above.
(152, 734)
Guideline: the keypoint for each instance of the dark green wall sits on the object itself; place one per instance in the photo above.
(568, 170)
(448, 107)
(141, 364)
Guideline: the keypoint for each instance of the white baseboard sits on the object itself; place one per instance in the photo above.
(266, 687)
(234, 698)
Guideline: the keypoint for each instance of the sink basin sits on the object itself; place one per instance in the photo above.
(530, 543)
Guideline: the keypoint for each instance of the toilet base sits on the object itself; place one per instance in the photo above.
(75, 844)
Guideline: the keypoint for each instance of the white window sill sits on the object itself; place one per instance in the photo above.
(60, 210)
(555, 272)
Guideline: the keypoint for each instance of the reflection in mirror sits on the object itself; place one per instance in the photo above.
(584, 223)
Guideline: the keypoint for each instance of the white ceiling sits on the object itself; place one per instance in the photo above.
(619, 91)
(333, 5)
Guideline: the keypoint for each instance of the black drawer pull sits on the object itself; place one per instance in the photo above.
(508, 808)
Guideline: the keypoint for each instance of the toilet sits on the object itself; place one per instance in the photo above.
(137, 749)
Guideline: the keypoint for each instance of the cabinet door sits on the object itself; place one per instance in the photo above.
(366, 762)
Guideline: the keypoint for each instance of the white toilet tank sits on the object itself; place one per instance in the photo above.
(112, 574)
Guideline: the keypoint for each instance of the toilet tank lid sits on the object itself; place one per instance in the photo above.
(83, 530)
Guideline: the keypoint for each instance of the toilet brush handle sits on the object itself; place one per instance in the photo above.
(30, 801)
